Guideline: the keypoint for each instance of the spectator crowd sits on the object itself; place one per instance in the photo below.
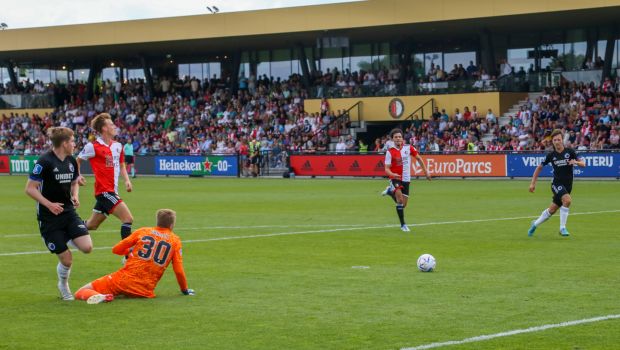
(193, 116)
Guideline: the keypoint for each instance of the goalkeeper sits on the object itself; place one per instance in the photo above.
(150, 250)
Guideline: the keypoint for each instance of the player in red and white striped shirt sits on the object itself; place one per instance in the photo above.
(107, 160)
(399, 166)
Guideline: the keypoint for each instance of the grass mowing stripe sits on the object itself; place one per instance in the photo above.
(333, 230)
(339, 225)
(513, 332)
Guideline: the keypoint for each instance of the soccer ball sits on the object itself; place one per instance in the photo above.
(426, 263)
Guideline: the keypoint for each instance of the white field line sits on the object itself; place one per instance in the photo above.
(333, 230)
(513, 332)
(17, 235)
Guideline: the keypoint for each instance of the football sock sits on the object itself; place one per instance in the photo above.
(563, 216)
(544, 216)
(125, 230)
(85, 293)
(133, 171)
(63, 272)
(401, 213)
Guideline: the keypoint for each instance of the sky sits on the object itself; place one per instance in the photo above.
(43, 13)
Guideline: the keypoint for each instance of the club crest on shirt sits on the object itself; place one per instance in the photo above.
(566, 155)
(71, 167)
(37, 169)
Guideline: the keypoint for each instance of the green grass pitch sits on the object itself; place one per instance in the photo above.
(297, 288)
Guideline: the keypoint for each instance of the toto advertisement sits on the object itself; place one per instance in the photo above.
(197, 165)
(597, 165)
(467, 165)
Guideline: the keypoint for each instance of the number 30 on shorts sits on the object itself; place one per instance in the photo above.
(159, 254)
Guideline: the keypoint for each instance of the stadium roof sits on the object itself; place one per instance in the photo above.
(367, 21)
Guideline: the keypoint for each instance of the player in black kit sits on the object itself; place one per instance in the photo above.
(53, 184)
(562, 160)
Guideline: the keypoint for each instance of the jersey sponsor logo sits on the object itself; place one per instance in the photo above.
(64, 178)
(396, 107)
(37, 169)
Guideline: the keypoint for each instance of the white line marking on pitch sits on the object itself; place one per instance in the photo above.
(333, 230)
(513, 332)
(17, 235)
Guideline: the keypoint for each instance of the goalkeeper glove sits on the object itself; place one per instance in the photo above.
(188, 292)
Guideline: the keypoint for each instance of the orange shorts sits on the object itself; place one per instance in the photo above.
(118, 284)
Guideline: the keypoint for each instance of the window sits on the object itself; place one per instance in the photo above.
(281, 64)
(360, 58)
(331, 59)
(110, 74)
(80, 74)
(518, 58)
(183, 71)
(195, 70)
(450, 59)
(263, 67)
(435, 58)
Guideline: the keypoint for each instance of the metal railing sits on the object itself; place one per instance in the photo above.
(409, 120)
(344, 117)
(518, 82)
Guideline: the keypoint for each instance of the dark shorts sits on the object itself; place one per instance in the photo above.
(403, 186)
(106, 202)
(255, 160)
(560, 190)
(57, 230)
(128, 159)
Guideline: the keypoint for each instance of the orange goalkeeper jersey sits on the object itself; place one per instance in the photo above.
(153, 250)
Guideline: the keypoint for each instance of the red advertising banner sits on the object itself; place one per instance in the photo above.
(464, 165)
(4, 164)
